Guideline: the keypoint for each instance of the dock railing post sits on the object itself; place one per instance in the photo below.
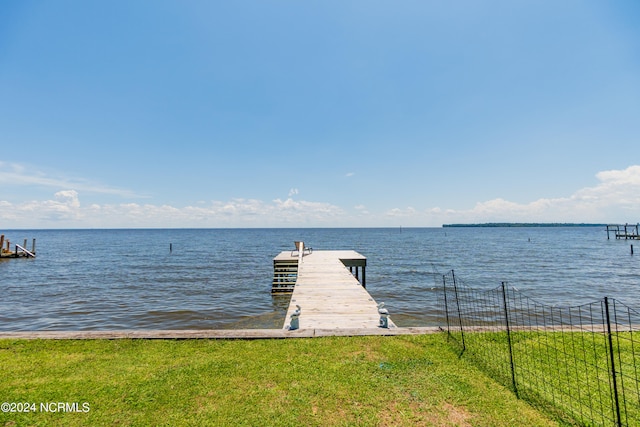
(300, 248)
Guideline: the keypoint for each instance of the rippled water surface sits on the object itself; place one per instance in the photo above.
(221, 278)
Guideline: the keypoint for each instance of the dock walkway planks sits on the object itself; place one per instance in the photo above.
(330, 296)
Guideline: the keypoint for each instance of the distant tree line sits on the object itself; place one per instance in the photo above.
(526, 224)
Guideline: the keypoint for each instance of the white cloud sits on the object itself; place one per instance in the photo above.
(362, 210)
(65, 207)
(401, 213)
(293, 192)
(350, 174)
(615, 198)
(68, 197)
(628, 176)
(66, 211)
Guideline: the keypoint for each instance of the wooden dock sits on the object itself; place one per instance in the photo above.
(624, 231)
(17, 251)
(329, 289)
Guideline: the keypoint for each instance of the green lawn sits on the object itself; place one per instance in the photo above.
(386, 381)
(566, 372)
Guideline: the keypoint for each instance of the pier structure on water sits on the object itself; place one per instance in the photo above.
(18, 251)
(328, 290)
(624, 231)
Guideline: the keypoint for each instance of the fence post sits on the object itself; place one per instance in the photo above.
(455, 288)
(506, 318)
(446, 306)
(612, 361)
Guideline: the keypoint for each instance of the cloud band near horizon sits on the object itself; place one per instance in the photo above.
(615, 198)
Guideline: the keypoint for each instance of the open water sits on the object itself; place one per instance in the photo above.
(221, 278)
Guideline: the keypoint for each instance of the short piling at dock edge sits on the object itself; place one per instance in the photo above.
(18, 251)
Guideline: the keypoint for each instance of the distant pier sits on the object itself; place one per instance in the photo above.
(623, 231)
(18, 251)
(328, 290)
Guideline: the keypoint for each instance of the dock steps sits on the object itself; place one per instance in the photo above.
(285, 274)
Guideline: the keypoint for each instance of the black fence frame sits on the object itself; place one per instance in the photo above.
(580, 363)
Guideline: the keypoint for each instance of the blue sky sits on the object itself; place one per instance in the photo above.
(318, 113)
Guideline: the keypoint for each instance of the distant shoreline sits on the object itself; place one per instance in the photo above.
(525, 224)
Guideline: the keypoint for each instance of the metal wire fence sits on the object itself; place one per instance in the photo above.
(580, 363)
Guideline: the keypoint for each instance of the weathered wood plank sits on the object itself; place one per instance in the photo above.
(330, 296)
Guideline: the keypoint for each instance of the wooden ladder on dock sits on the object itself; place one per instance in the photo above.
(285, 268)
(285, 274)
